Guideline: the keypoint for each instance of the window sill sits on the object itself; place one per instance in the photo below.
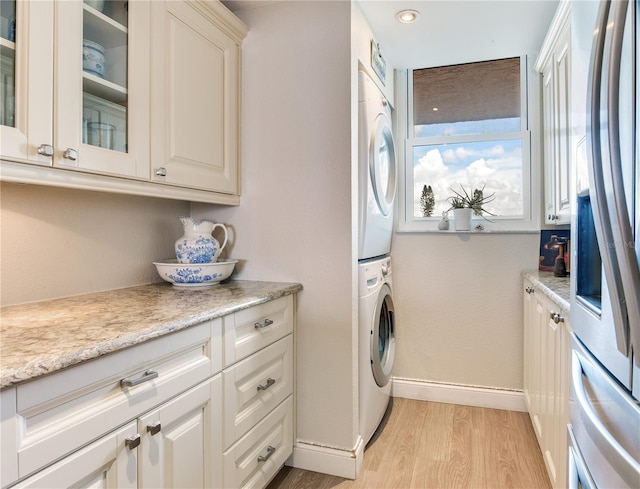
(453, 231)
(487, 227)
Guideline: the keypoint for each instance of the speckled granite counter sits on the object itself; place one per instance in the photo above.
(42, 337)
(555, 288)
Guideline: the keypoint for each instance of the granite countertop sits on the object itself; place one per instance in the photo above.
(555, 288)
(43, 337)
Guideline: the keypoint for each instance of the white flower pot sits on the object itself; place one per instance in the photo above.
(462, 219)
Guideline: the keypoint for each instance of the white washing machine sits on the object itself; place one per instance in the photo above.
(377, 342)
(377, 170)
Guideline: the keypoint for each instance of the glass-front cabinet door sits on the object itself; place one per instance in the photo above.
(26, 81)
(8, 63)
(101, 96)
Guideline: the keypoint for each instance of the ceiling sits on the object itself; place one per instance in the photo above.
(450, 31)
(458, 31)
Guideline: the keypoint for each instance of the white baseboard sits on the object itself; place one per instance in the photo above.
(508, 399)
(332, 461)
(347, 463)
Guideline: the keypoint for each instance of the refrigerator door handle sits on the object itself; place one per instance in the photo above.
(625, 463)
(622, 229)
(600, 178)
(578, 474)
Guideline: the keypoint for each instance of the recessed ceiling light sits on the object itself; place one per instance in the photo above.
(408, 16)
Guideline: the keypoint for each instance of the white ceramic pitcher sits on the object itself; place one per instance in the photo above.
(197, 245)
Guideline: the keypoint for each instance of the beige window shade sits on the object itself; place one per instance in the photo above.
(469, 92)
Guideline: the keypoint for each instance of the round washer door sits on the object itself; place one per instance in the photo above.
(383, 339)
(382, 165)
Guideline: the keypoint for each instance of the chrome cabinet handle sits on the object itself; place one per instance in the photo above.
(154, 428)
(269, 383)
(45, 150)
(133, 441)
(263, 324)
(270, 451)
(70, 154)
(161, 172)
(146, 377)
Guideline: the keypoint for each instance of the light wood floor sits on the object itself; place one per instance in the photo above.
(436, 446)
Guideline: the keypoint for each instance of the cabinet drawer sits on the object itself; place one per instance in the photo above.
(256, 385)
(257, 456)
(250, 330)
(106, 459)
(59, 413)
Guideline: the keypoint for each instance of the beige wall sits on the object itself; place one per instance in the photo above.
(458, 301)
(294, 222)
(56, 242)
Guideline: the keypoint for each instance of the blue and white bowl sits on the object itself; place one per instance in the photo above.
(195, 274)
(93, 59)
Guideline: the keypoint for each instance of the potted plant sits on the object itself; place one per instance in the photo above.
(464, 204)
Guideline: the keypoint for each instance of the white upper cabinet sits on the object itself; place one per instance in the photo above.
(101, 79)
(195, 95)
(26, 81)
(69, 100)
(554, 63)
(126, 96)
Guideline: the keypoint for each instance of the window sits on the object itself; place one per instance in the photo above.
(467, 128)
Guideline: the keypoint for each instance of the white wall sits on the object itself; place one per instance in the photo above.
(458, 301)
(56, 242)
(361, 36)
(294, 222)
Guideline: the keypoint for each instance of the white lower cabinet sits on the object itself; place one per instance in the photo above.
(173, 446)
(106, 463)
(546, 379)
(258, 392)
(161, 414)
(255, 386)
(257, 456)
(180, 440)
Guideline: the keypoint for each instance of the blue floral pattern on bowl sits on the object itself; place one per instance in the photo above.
(195, 275)
(202, 250)
(192, 276)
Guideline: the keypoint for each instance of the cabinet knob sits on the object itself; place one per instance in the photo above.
(264, 387)
(45, 150)
(133, 441)
(161, 172)
(557, 318)
(270, 451)
(154, 428)
(70, 154)
(263, 324)
(529, 290)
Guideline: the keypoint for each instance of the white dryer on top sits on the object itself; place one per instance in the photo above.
(377, 170)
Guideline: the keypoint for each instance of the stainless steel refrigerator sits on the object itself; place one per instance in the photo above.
(604, 403)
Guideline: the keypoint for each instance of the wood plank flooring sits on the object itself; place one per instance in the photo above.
(432, 445)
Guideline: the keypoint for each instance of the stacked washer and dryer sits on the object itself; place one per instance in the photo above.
(377, 190)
